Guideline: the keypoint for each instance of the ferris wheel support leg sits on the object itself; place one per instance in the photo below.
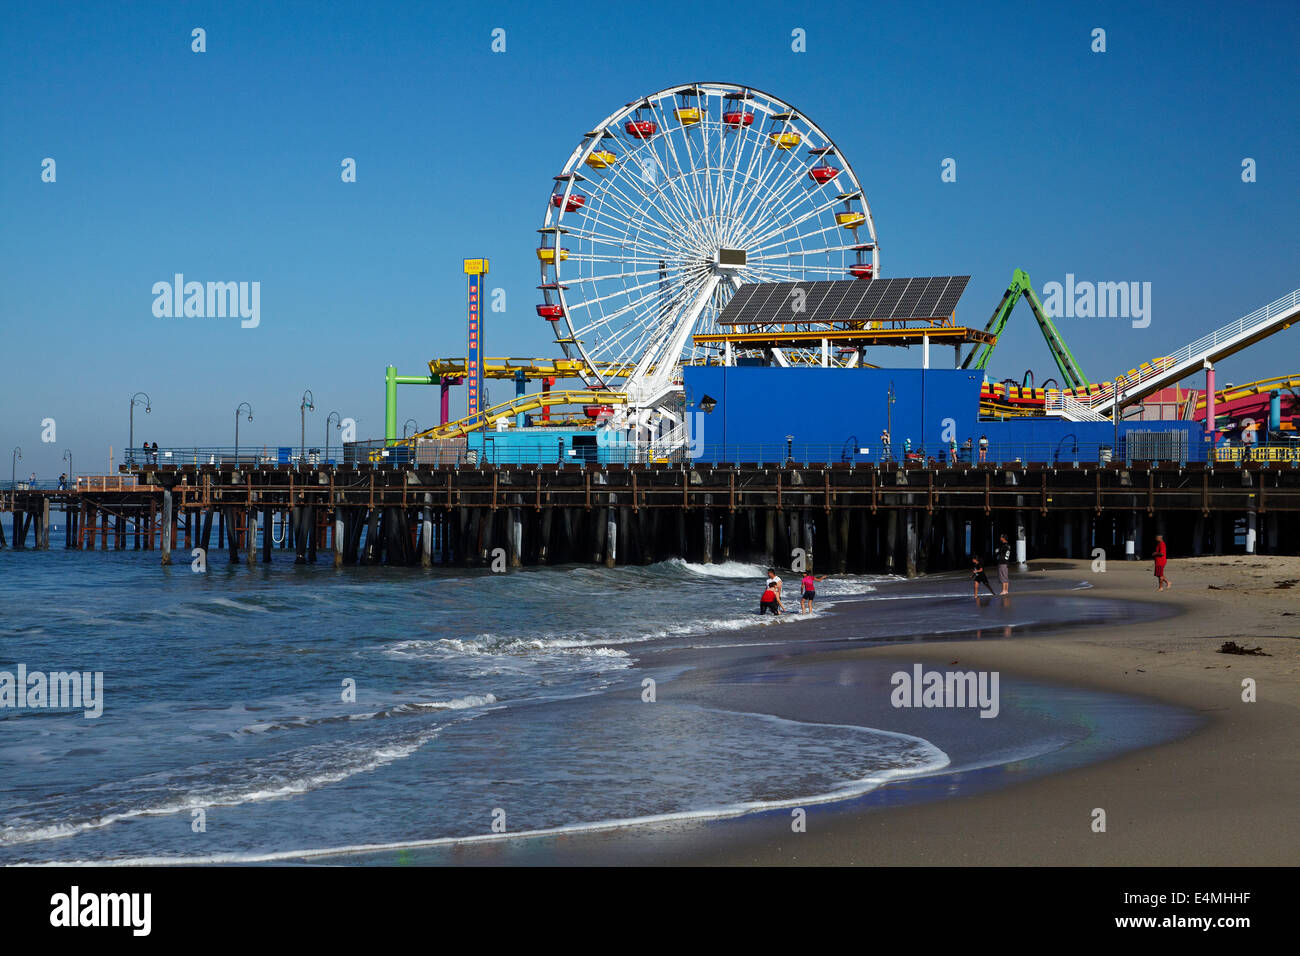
(664, 359)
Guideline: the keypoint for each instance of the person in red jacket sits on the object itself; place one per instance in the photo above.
(1160, 558)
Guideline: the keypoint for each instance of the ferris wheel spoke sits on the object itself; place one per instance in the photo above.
(667, 204)
(772, 257)
(690, 201)
(812, 213)
(683, 215)
(753, 209)
(626, 215)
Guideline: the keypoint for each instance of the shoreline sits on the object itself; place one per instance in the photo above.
(1224, 794)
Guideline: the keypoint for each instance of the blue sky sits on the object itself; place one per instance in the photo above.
(1119, 166)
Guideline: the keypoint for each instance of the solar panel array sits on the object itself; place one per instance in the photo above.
(844, 300)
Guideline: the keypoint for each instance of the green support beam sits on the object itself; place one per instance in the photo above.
(1071, 374)
(391, 381)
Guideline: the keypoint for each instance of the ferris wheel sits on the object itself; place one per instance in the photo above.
(668, 205)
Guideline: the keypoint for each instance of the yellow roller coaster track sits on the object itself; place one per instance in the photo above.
(517, 406)
(1236, 392)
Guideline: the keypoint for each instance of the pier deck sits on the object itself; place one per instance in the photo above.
(904, 517)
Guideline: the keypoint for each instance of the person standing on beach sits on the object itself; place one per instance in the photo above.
(1002, 555)
(809, 592)
(1160, 558)
(978, 576)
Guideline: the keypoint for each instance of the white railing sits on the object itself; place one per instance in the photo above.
(1260, 316)
(1071, 409)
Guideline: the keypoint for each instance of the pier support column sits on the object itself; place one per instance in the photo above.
(611, 532)
(426, 533)
(769, 537)
(842, 540)
(728, 535)
(706, 523)
(544, 545)
(45, 524)
(167, 528)
(250, 537)
(516, 533)
(268, 522)
(808, 540)
(1130, 537)
(891, 540)
(912, 543)
(1252, 522)
(1021, 544)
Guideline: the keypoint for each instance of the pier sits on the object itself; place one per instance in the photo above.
(904, 518)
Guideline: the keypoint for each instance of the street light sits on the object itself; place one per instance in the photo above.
(889, 418)
(339, 425)
(409, 421)
(13, 470)
(241, 407)
(72, 475)
(308, 404)
(148, 407)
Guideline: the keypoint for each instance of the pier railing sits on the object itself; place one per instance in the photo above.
(228, 455)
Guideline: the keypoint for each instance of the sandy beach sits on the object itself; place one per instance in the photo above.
(1224, 795)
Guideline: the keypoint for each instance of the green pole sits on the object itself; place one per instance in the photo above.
(391, 381)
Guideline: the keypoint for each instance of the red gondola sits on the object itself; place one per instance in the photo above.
(551, 312)
(597, 411)
(737, 118)
(862, 270)
(575, 201)
(822, 174)
(641, 129)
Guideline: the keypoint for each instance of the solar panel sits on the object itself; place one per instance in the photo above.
(846, 300)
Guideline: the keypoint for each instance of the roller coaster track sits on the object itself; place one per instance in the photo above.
(1235, 393)
(517, 406)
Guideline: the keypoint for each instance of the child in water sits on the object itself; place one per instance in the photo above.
(771, 601)
(809, 594)
(978, 576)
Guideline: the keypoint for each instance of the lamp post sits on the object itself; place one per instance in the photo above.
(889, 418)
(72, 475)
(308, 404)
(339, 425)
(148, 407)
(13, 470)
(238, 409)
(409, 421)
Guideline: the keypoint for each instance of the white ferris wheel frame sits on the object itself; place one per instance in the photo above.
(719, 215)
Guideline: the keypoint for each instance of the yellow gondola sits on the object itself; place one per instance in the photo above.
(547, 254)
(787, 140)
(850, 220)
(688, 115)
(601, 159)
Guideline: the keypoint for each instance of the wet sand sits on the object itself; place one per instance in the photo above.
(1225, 794)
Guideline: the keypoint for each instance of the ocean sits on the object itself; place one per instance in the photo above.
(290, 712)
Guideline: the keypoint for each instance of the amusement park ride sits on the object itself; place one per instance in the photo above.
(664, 215)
